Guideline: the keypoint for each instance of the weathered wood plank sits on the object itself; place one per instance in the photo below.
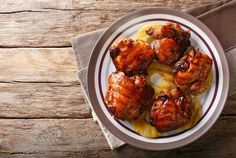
(42, 135)
(37, 65)
(230, 106)
(49, 24)
(14, 6)
(83, 138)
(42, 100)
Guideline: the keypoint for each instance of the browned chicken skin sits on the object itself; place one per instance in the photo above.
(127, 97)
(192, 69)
(132, 56)
(171, 110)
(166, 50)
(171, 42)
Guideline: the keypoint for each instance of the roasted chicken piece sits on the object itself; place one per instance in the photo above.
(167, 51)
(132, 56)
(192, 69)
(171, 110)
(171, 42)
(127, 97)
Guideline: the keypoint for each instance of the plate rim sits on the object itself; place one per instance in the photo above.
(126, 138)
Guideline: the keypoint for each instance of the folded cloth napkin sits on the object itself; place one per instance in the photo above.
(219, 17)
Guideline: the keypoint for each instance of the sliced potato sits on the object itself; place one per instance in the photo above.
(160, 77)
(142, 127)
(142, 35)
(156, 65)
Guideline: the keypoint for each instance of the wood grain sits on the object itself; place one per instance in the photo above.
(42, 100)
(48, 24)
(230, 108)
(83, 138)
(42, 109)
(43, 135)
(37, 65)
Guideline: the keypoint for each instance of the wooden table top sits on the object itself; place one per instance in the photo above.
(42, 109)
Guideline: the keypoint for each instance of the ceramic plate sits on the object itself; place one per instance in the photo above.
(101, 66)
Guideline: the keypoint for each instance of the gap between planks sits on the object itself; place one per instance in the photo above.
(22, 46)
(79, 118)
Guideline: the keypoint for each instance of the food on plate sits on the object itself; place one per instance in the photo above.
(132, 56)
(142, 126)
(196, 114)
(160, 77)
(201, 87)
(192, 70)
(127, 97)
(167, 50)
(171, 110)
(171, 42)
(170, 30)
(142, 35)
(157, 79)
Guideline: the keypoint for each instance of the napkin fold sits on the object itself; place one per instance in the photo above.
(220, 17)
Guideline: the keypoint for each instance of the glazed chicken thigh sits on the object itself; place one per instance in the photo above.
(132, 56)
(192, 69)
(127, 97)
(167, 50)
(171, 42)
(171, 110)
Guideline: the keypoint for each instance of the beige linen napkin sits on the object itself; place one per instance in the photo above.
(220, 17)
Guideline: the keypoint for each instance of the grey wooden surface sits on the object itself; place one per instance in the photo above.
(42, 110)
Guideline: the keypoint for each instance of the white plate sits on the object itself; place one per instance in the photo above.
(101, 66)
